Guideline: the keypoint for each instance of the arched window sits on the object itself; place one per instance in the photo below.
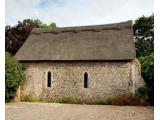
(49, 79)
(85, 80)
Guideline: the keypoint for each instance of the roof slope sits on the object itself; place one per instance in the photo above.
(98, 42)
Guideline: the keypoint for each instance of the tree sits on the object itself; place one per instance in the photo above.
(147, 67)
(16, 35)
(14, 76)
(144, 41)
(144, 35)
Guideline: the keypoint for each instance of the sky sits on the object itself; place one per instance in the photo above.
(76, 12)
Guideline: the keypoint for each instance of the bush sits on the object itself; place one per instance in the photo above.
(109, 101)
(127, 99)
(14, 76)
(147, 66)
(66, 99)
(122, 100)
(106, 101)
(29, 98)
(142, 91)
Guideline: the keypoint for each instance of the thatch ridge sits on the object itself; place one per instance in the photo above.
(95, 28)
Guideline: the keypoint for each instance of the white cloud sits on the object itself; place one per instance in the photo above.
(77, 12)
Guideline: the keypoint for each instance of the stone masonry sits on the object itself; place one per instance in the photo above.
(105, 79)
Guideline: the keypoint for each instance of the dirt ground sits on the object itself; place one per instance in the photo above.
(54, 111)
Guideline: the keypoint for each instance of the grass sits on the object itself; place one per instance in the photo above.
(106, 101)
(122, 100)
(65, 99)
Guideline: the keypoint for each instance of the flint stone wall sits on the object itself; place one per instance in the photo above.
(105, 79)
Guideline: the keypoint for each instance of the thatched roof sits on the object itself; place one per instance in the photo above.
(97, 42)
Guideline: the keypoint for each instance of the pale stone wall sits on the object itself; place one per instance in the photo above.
(105, 79)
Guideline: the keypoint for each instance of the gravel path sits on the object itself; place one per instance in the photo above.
(53, 111)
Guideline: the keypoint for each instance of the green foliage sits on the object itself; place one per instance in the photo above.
(142, 91)
(144, 35)
(144, 42)
(109, 101)
(66, 99)
(106, 101)
(37, 23)
(16, 35)
(29, 98)
(14, 76)
(125, 99)
(51, 26)
(147, 66)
